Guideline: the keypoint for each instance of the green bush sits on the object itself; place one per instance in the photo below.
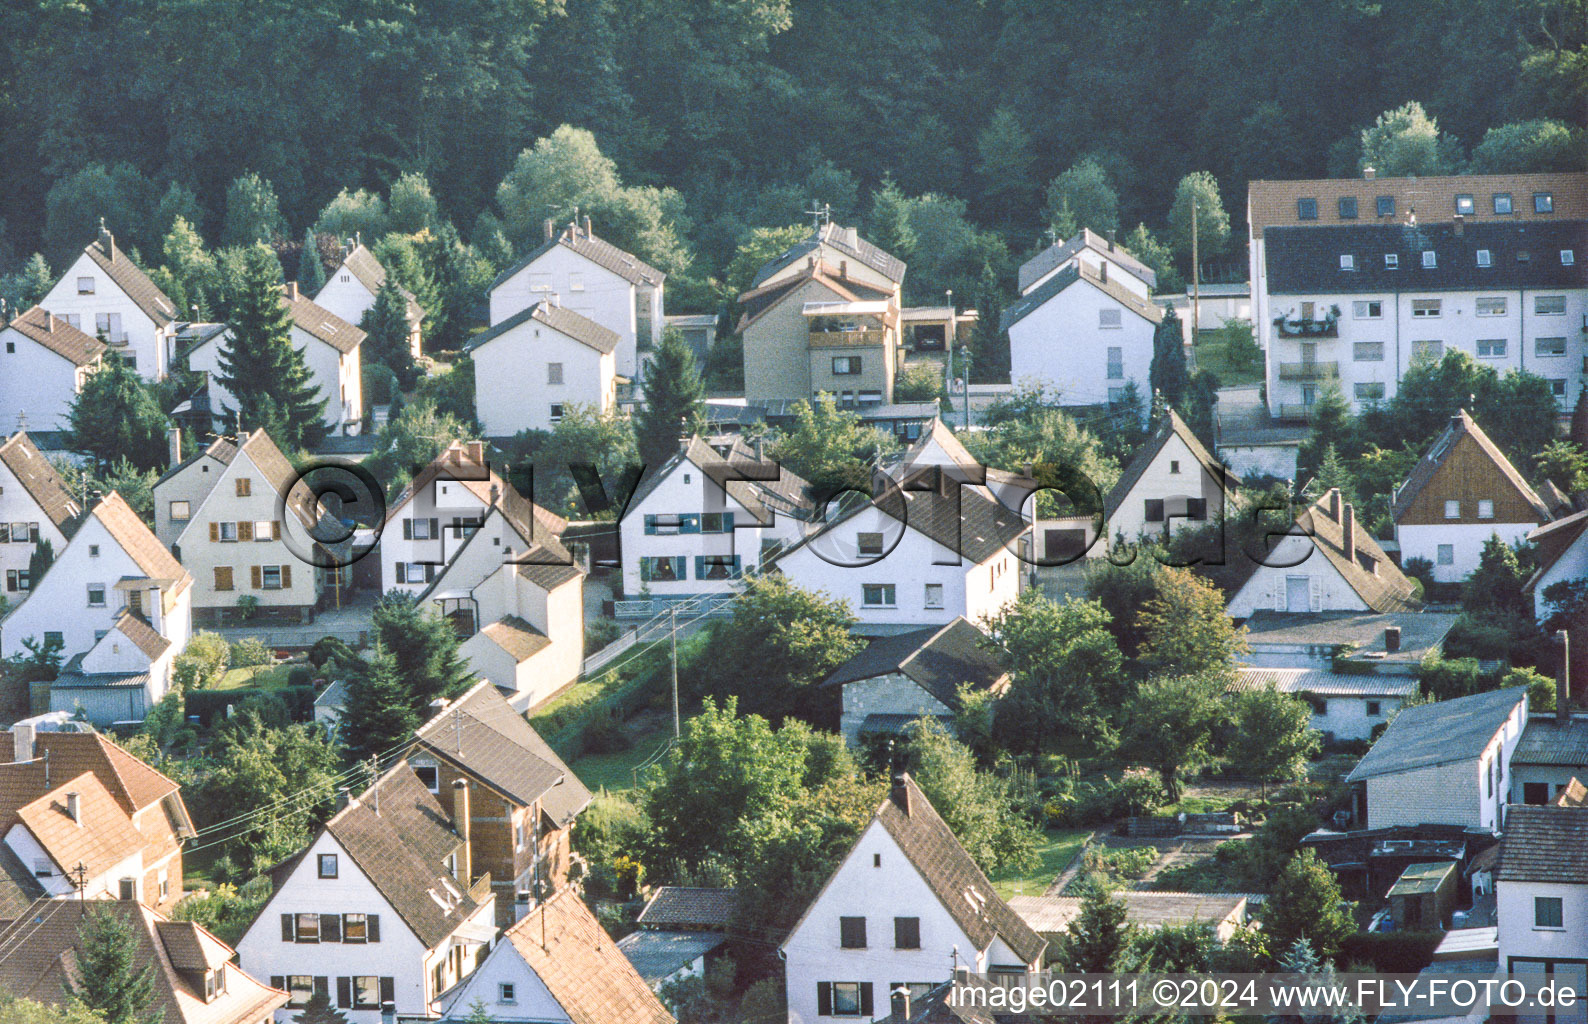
(604, 734)
(202, 663)
(209, 706)
(1392, 952)
(599, 633)
(300, 675)
(1097, 803)
(920, 382)
(328, 648)
(249, 652)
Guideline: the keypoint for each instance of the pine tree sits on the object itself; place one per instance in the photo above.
(107, 966)
(386, 323)
(37, 280)
(989, 342)
(380, 708)
(40, 560)
(890, 220)
(1168, 373)
(311, 272)
(268, 378)
(1098, 937)
(1331, 425)
(116, 416)
(674, 397)
(1333, 472)
(424, 647)
(320, 1011)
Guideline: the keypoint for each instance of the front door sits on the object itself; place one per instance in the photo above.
(1063, 545)
(1298, 594)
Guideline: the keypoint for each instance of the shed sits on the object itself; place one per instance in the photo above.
(1423, 897)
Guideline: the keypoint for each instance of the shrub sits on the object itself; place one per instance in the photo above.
(300, 675)
(202, 663)
(247, 605)
(1392, 952)
(250, 652)
(605, 735)
(328, 648)
(1096, 803)
(599, 633)
(919, 382)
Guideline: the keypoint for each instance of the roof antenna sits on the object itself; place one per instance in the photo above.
(820, 214)
(457, 731)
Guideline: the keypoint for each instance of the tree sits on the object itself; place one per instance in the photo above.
(115, 417)
(252, 212)
(1406, 142)
(1004, 164)
(1169, 726)
(1213, 224)
(386, 324)
(311, 272)
(1526, 147)
(674, 401)
(1098, 939)
(37, 280)
(756, 249)
(360, 214)
(890, 228)
(1331, 426)
(178, 203)
(202, 664)
(1565, 463)
(268, 378)
(828, 447)
(1306, 904)
(1272, 738)
(1168, 374)
(1495, 587)
(424, 648)
(116, 197)
(1186, 631)
(109, 978)
(26, 1011)
(412, 208)
(194, 269)
(1082, 197)
(39, 561)
(978, 806)
(410, 441)
(320, 1011)
(1123, 591)
(1144, 245)
(585, 436)
(1333, 473)
(380, 709)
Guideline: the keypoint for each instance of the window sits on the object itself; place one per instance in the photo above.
(300, 989)
(852, 933)
(327, 865)
(1453, 509)
(1373, 708)
(1447, 554)
(223, 577)
(716, 522)
(1116, 362)
(1492, 306)
(1116, 395)
(355, 928)
(1108, 319)
(1153, 510)
(1367, 352)
(1502, 202)
(1426, 308)
(553, 373)
(96, 595)
(17, 580)
(1386, 206)
(422, 529)
(306, 928)
(663, 570)
(1430, 259)
(1557, 387)
(1543, 202)
(1549, 346)
(11, 347)
(1547, 912)
(1347, 261)
(1427, 349)
(1347, 207)
(716, 567)
(1485, 259)
(181, 511)
(365, 992)
(869, 543)
(843, 998)
(429, 775)
(1367, 309)
(1196, 509)
(907, 933)
(1465, 205)
(934, 595)
(556, 412)
(214, 983)
(1306, 209)
(226, 532)
(1491, 347)
(846, 366)
(1549, 305)
(576, 282)
(1485, 508)
(1392, 261)
(1368, 391)
(877, 595)
(245, 487)
(54, 638)
(1568, 258)
(85, 286)
(505, 993)
(266, 529)
(1174, 465)
(271, 577)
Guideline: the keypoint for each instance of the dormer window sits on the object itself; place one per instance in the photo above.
(1348, 207)
(214, 983)
(1392, 261)
(1306, 209)
(1347, 261)
(1485, 258)
(1430, 260)
(1502, 202)
(1543, 202)
(1464, 205)
(1386, 206)
(1568, 257)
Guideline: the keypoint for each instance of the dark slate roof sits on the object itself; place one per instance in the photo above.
(845, 240)
(691, 908)
(1170, 425)
(1430, 734)
(940, 1006)
(658, 955)
(18, 886)
(362, 264)
(1383, 587)
(1028, 304)
(1429, 464)
(1547, 741)
(560, 319)
(1544, 844)
(1420, 632)
(1306, 260)
(126, 275)
(938, 659)
(1033, 269)
(595, 249)
(58, 336)
(782, 490)
(34, 472)
(1553, 540)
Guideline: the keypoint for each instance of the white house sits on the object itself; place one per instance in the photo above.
(35, 507)
(43, 366)
(1092, 250)
(703, 519)
(330, 347)
(349, 292)
(377, 908)
(1459, 494)
(1345, 705)
(557, 964)
(1083, 335)
(905, 906)
(1446, 763)
(104, 294)
(1325, 563)
(1562, 559)
(530, 367)
(591, 277)
(1541, 894)
(1173, 483)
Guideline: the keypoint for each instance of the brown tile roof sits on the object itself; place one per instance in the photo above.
(34, 472)
(580, 965)
(1553, 540)
(1170, 425)
(362, 264)
(1273, 203)
(531, 520)
(595, 249)
(320, 322)
(102, 836)
(139, 542)
(517, 638)
(686, 907)
(1544, 844)
(939, 1006)
(1573, 794)
(143, 635)
(1428, 466)
(58, 336)
(1384, 590)
(126, 275)
(560, 319)
(773, 487)
(134, 784)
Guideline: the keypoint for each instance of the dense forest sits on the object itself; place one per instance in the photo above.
(724, 115)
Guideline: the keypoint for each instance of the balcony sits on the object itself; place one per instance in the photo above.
(1295, 413)
(1295, 327)
(858, 338)
(1306, 370)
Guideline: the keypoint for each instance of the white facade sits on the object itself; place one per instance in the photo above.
(336, 374)
(1083, 346)
(23, 526)
(1275, 460)
(1571, 565)
(891, 694)
(527, 377)
(1521, 936)
(91, 301)
(1454, 549)
(1353, 718)
(413, 554)
(1308, 582)
(37, 386)
(510, 989)
(1172, 485)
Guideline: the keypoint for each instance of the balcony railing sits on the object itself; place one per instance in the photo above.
(847, 339)
(1295, 413)
(1328, 327)
(1309, 371)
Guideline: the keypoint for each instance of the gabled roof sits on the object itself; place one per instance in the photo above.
(363, 265)
(221, 450)
(143, 636)
(941, 1005)
(1555, 499)
(1323, 682)
(139, 542)
(1544, 844)
(34, 472)
(126, 275)
(517, 638)
(658, 955)
(583, 969)
(1039, 296)
(1428, 466)
(595, 249)
(101, 837)
(60, 337)
(1441, 733)
(314, 319)
(1548, 740)
(691, 908)
(1553, 541)
(1383, 588)
(762, 299)
(1032, 270)
(560, 319)
(845, 240)
(134, 784)
(1169, 425)
(785, 492)
(457, 464)
(938, 659)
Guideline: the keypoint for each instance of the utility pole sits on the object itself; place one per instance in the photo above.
(1196, 274)
(79, 877)
(672, 622)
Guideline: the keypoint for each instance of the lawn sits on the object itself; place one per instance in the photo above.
(615, 772)
(1213, 353)
(1058, 848)
(271, 677)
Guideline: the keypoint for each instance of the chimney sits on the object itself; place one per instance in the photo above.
(388, 1013)
(899, 1003)
(73, 808)
(587, 232)
(344, 796)
(551, 229)
(1461, 224)
(173, 440)
(899, 792)
(1102, 272)
(1563, 681)
(107, 241)
(21, 742)
(1368, 172)
(292, 291)
(509, 583)
(460, 816)
(475, 451)
(1348, 531)
(1334, 503)
(1392, 639)
(843, 268)
(49, 321)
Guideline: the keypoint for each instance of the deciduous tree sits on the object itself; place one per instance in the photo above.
(1186, 630)
(1272, 738)
(253, 214)
(1082, 197)
(1213, 224)
(1169, 726)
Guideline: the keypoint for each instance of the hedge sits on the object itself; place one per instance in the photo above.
(1391, 952)
(207, 704)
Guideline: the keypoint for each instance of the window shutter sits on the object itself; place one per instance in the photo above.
(824, 999)
(650, 526)
(435, 528)
(402, 573)
(344, 993)
(373, 927)
(408, 529)
(256, 577)
(286, 576)
(322, 986)
(388, 991)
(277, 981)
(865, 998)
(275, 529)
(645, 569)
(680, 565)
(245, 529)
(215, 531)
(286, 928)
(330, 928)
(700, 567)
(430, 571)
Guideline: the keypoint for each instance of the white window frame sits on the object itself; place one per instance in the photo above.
(1427, 309)
(1568, 257)
(1557, 347)
(1360, 347)
(88, 290)
(1485, 258)
(1392, 261)
(98, 588)
(1485, 508)
(1491, 348)
(933, 595)
(888, 594)
(556, 412)
(181, 511)
(1367, 309)
(1445, 554)
(1490, 305)
(554, 373)
(1452, 508)
(1347, 261)
(1430, 259)
(1540, 302)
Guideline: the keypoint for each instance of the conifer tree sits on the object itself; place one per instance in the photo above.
(673, 401)
(320, 1011)
(311, 272)
(1099, 937)
(110, 979)
(1168, 373)
(890, 220)
(380, 712)
(115, 416)
(386, 323)
(268, 378)
(37, 279)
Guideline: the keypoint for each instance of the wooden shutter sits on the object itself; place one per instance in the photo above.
(344, 993)
(430, 571)
(865, 999)
(286, 577)
(275, 529)
(330, 928)
(245, 529)
(223, 577)
(277, 981)
(374, 929)
(322, 986)
(408, 529)
(256, 577)
(388, 991)
(402, 573)
(215, 531)
(435, 528)
(824, 999)
(287, 934)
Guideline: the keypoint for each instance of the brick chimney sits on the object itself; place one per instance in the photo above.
(1348, 530)
(173, 439)
(551, 229)
(21, 742)
(460, 816)
(899, 792)
(1333, 499)
(899, 1003)
(475, 452)
(49, 321)
(292, 291)
(74, 808)
(1368, 172)
(587, 231)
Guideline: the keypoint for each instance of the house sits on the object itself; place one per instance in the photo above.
(518, 798)
(194, 980)
(1088, 248)
(1562, 562)
(1172, 483)
(566, 358)
(703, 519)
(105, 295)
(119, 607)
(43, 367)
(1444, 763)
(86, 819)
(349, 292)
(1552, 753)
(962, 1000)
(1345, 705)
(377, 908)
(698, 331)
(35, 509)
(330, 348)
(1083, 335)
(1225, 913)
(898, 679)
(841, 247)
(1390, 643)
(905, 906)
(679, 928)
(593, 278)
(1461, 493)
(1325, 563)
(1541, 890)
(234, 516)
(920, 556)
(556, 964)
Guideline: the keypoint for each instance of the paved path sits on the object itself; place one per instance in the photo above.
(1068, 874)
